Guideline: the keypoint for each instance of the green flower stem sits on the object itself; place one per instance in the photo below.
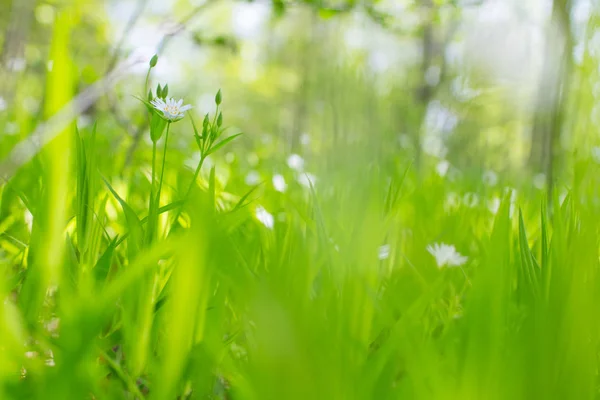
(153, 166)
(162, 171)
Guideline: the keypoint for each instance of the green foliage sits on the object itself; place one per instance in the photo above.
(178, 277)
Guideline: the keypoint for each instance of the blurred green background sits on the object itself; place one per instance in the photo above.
(304, 260)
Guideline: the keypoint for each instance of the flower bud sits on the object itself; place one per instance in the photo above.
(220, 119)
(218, 97)
(153, 61)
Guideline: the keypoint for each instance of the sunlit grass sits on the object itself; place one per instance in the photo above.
(350, 275)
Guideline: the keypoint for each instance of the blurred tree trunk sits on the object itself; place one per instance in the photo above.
(552, 94)
(425, 91)
(301, 100)
(15, 37)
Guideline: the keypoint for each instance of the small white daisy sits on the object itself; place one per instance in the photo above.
(171, 109)
(446, 255)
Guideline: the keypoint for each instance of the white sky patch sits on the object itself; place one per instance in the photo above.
(248, 19)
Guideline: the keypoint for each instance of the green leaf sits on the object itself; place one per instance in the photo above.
(136, 232)
(102, 267)
(157, 126)
(222, 143)
(212, 188)
(240, 204)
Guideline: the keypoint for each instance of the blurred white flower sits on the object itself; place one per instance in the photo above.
(171, 109)
(442, 168)
(384, 252)
(307, 179)
(596, 153)
(264, 217)
(305, 139)
(3, 105)
(252, 178)
(452, 201)
(295, 162)
(539, 181)
(471, 200)
(490, 178)
(562, 196)
(494, 205)
(28, 219)
(513, 199)
(279, 183)
(446, 255)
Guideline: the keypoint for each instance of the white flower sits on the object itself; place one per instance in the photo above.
(539, 181)
(295, 162)
(446, 255)
(490, 178)
(442, 168)
(596, 153)
(494, 205)
(384, 252)
(264, 217)
(279, 183)
(252, 178)
(471, 200)
(307, 180)
(171, 109)
(452, 201)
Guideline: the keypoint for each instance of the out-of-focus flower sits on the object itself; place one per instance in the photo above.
(490, 178)
(172, 110)
(295, 162)
(596, 153)
(494, 205)
(252, 178)
(442, 168)
(279, 183)
(446, 255)
(384, 252)
(307, 179)
(539, 181)
(452, 202)
(264, 217)
(471, 200)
